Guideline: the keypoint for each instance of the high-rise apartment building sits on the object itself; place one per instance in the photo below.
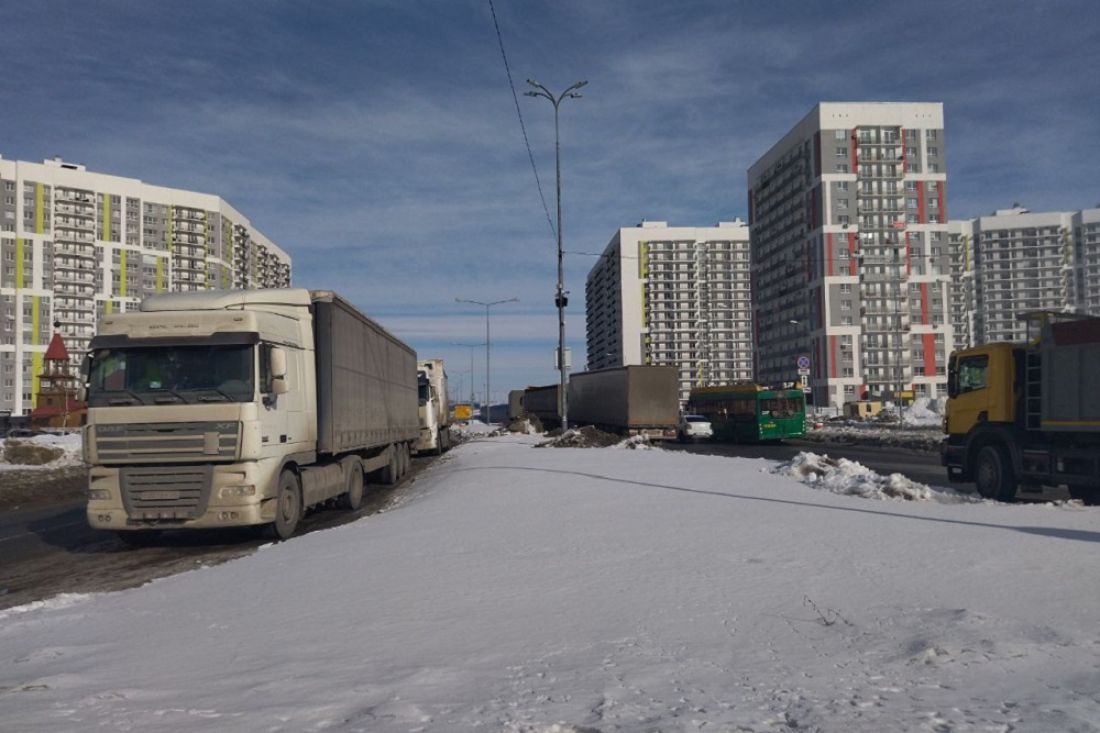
(75, 245)
(1016, 260)
(851, 265)
(673, 296)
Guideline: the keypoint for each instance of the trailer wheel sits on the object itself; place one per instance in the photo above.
(288, 506)
(994, 476)
(353, 499)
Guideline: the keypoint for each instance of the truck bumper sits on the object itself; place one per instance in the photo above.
(175, 497)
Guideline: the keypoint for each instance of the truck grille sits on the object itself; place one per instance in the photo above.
(163, 442)
(165, 492)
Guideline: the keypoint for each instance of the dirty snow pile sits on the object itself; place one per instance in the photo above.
(924, 412)
(879, 434)
(635, 442)
(519, 590)
(841, 476)
(46, 451)
(584, 437)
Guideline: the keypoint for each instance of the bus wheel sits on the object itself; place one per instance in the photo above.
(993, 475)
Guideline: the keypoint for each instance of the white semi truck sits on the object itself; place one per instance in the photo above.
(246, 407)
(435, 413)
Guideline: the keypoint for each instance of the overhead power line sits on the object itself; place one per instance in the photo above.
(519, 114)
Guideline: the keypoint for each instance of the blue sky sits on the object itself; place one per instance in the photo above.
(378, 143)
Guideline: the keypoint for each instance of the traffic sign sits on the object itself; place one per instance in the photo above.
(804, 372)
(803, 362)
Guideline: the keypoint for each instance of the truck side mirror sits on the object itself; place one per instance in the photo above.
(277, 364)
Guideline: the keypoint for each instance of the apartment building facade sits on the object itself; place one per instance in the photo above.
(851, 264)
(76, 245)
(676, 296)
(1016, 260)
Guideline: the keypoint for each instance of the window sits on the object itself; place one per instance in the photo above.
(842, 168)
(911, 186)
(840, 134)
(843, 218)
(911, 151)
(912, 168)
(910, 203)
(933, 167)
(972, 373)
(842, 152)
(930, 134)
(933, 151)
(842, 186)
(842, 203)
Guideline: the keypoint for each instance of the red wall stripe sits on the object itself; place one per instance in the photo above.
(943, 201)
(924, 304)
(929, 354)
(921, 217)
(851, 253)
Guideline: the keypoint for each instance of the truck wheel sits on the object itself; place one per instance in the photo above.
(140, 537)
(388, 475)
(353, 499)
(288, 506)
(993, 474)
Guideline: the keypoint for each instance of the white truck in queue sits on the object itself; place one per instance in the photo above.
(242, 407)
(435, 413)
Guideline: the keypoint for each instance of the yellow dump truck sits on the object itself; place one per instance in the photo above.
(1028, 415)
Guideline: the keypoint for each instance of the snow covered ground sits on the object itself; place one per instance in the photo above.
(563, 590)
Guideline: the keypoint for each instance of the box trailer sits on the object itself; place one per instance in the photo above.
(542, 402)
(230, 408)
(632, 400)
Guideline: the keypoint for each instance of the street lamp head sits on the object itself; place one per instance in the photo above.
(795, 321)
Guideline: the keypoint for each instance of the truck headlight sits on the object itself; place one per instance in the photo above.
(99, 495)
(237, 492)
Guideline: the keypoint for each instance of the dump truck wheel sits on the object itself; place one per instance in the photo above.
(993, 474)
(288, 506)
(353, 499)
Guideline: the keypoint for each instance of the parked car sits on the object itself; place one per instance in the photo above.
(694, 427)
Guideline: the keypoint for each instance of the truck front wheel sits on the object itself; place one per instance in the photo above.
(993, 474)
(288, 506)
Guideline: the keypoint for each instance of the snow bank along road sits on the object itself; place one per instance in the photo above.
(515, 589)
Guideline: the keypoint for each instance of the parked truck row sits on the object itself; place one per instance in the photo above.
(235, 408)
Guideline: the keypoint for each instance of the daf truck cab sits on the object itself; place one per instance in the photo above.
(232, 408)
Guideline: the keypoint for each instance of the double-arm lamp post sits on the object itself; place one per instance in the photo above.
(560, 299)
(487, 306)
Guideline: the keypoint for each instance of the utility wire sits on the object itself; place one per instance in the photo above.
(519, 114)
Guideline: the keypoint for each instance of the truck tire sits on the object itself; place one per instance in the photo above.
(352, 499)
(993, 474)
(388, 474)
(288, 506)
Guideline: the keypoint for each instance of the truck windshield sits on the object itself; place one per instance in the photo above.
(163, 375)
(423, 390)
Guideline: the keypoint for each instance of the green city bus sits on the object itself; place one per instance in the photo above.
(749, 413)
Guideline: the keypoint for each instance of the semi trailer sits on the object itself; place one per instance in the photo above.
(631, 400)
(435, 413)
(232, 408)
(1027, 415)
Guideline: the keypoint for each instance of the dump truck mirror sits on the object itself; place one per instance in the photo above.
(279, 385)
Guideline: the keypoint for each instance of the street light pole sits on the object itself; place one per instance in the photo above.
(487, 306)
(471, 347)
(559, 299)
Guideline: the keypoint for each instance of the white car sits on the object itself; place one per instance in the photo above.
(694, 427)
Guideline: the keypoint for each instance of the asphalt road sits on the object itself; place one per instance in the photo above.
(49, 550)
